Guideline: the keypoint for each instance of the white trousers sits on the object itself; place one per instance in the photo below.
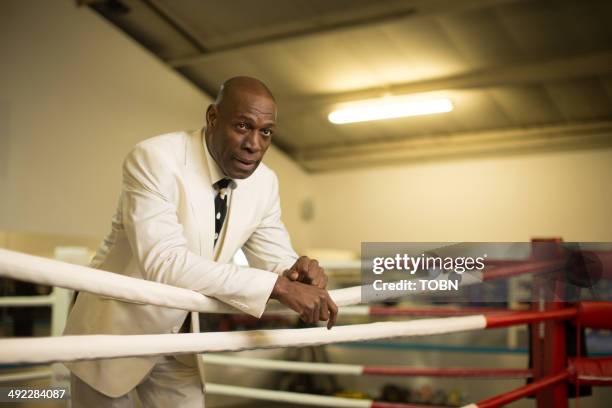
(170, 384)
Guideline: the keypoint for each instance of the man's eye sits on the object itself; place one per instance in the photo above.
(242, 125)
(266, 132)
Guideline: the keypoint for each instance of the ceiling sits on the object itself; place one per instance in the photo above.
(523, 75)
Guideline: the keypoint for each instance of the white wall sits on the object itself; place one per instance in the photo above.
(514, 198)
(75, 95)
(295, 188)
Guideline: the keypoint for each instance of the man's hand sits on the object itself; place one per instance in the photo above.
(312, 303)
(307, 271)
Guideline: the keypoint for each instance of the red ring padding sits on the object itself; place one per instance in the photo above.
(591, 371)
(595, 315)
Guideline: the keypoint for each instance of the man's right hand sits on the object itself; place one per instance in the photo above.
(310, 302)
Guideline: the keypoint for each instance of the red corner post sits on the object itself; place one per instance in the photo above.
(548, 347)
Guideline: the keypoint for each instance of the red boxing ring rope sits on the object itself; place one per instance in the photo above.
(592, 371)
(433, 311)
(531, 267)
(515, 318)
(521, 392)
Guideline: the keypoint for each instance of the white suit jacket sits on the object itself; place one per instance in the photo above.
(163, 231)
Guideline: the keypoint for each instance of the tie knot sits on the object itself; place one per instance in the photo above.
(223, 183)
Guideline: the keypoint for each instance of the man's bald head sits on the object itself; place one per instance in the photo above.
(234, 87)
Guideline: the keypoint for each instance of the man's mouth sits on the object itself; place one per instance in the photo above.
(245, 164)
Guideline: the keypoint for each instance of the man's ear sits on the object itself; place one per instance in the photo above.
(211, 116)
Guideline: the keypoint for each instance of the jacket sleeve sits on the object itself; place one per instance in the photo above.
(269, 247)
(149, 216)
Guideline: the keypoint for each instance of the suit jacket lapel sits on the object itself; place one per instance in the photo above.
(202, 192)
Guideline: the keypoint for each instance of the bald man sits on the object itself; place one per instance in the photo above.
(189, 201)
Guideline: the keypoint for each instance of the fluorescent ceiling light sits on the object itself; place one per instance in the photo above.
(389, 108)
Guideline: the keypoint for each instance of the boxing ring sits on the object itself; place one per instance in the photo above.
(549, 376)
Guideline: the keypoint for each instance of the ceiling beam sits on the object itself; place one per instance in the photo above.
(325, 28)
(475, 144)
(179, 25)
(414, 8)
(555, 69)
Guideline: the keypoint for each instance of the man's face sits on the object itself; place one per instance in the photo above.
(239, 131)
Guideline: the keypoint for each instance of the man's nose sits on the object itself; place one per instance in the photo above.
(252, 142)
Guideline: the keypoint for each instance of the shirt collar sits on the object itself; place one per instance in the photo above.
(214, 170)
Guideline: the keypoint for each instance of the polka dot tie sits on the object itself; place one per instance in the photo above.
(220, 205)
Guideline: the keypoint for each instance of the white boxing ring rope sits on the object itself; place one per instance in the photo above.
(51, 272)
(24, 267)
(35, 375)
(283, 365)
(27, 301)
(87, 347)
(286, 396)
